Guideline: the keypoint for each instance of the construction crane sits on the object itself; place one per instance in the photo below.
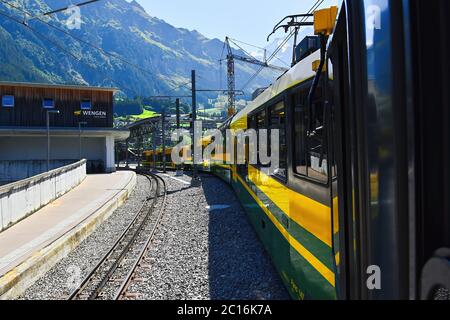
(231, 57)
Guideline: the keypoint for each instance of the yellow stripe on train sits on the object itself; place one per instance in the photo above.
(316, 263)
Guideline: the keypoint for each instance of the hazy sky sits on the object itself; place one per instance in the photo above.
(246, 20)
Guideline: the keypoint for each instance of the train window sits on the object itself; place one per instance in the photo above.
(261, 120)
(277, 121)
(260, 124)
(224, 145)
(310, 157)
(253, 124)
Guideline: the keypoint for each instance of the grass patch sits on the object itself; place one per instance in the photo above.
(146, 114)
(137, 117)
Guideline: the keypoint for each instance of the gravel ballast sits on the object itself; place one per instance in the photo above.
(205, 248)
(58, 282)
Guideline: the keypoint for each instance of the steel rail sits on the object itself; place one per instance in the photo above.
(78, 292)
(121, 293)
(116, 264)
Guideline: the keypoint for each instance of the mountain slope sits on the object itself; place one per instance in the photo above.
(160, 55)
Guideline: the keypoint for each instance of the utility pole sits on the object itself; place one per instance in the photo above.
(117, 155)
(126, 153)
(83, 123)
(163, 135)
(230, 80)
(139, 152)
(154, 148)
(195, 179)
(177, 107)
(177, 110)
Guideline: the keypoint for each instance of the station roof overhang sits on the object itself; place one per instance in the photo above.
(117, 134)
(57, 86)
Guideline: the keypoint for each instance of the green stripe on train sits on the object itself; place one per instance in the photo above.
(321, 250)
(300, 277)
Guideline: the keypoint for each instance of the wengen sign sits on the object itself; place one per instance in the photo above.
(91, 113)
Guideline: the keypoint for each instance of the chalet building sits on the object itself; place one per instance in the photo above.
(80, 122)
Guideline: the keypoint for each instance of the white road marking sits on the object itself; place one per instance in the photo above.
(217, 207)
(176, 179)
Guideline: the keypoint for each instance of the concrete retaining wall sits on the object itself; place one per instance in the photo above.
(15, 170)
(98, 149)
(22, 198)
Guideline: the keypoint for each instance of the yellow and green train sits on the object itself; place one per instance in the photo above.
(154, 159)
(359, 207)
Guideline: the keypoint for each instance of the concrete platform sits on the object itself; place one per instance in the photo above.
(34, 245)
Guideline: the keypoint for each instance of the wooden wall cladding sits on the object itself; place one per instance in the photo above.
(28, 110)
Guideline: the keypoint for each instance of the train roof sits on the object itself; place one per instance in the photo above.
(301, 72)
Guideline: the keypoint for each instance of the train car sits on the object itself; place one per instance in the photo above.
(154, 159)
(221, 161)
(186, 152)
(148, 160)
(359, 206)
(390, 141)
(290, 208)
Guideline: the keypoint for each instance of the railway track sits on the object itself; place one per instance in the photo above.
(115, 272)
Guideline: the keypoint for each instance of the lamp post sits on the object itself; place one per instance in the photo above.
(177, 106)
(48, 136)
(82, 123)
(195, 182)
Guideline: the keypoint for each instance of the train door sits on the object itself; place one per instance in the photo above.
(429, 89)
(234, 156)
(371, 150)
(346, 239)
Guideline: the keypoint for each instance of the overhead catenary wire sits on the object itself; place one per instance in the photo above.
(70, 54)
(278, 49)
(78, 39)
(316, 5)
(260, 69)
(67, 7)
(245, 43)
(54, 43)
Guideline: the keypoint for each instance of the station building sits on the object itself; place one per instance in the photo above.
(80, 122)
